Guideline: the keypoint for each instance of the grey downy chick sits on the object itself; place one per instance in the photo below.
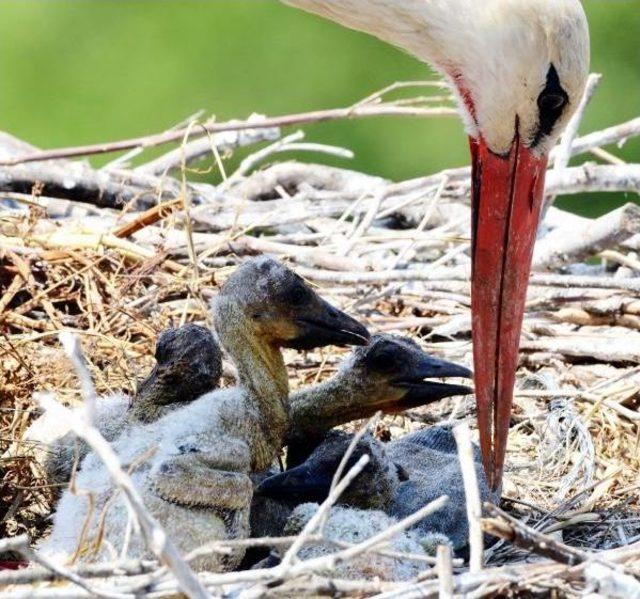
(430, 457)
(273, 504)
(389, 375)
(197, 482)
(188, 364)
(401, 477)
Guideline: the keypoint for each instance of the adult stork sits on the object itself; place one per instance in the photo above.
(518, 70)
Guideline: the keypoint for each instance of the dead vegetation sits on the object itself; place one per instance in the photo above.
(120, 253)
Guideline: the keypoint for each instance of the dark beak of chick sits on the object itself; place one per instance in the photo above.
(421, 391)
(326, 325)
(300, 484)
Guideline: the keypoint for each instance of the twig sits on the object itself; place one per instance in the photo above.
(546, 280)
(106, 570)
(199, 148)
(573, 244)
(252, 160)
(211, 127)
(72, 348)
(345, 458)
(445, 572)
(563, 153)
(521, 535)
(591, 178)
(428, 213)
(147, 218)
(620, 258)
(79, 182)
(472, 494)
(21, 545)
(611, 135)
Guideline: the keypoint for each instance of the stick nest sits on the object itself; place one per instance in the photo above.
(395, 255)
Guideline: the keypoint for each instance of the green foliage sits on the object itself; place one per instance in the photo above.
(80, 72)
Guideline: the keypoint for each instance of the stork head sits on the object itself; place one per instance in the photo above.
(518, 69)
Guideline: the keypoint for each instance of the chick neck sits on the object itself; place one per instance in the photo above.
(261, 370)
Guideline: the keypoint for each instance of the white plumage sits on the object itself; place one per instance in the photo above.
(499, 51)
(50, 443)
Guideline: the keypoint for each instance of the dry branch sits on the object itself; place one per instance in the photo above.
(514, 531)
(472, 494)
(199, 149)
(211, 128)
(574, 244)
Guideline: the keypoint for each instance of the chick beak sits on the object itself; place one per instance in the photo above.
(298, 484)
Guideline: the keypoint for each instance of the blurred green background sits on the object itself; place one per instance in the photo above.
(75, 72)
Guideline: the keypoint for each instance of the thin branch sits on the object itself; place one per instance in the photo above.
(198, 149)
(563, 153)
(211, 127)
(445, 572)
(20, 545)
(345, 458)
(521, 535)
(574, 243)
(472, 494)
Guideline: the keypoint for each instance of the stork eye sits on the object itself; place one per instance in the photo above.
(551, 102)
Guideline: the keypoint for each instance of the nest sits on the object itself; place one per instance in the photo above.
(119, 254)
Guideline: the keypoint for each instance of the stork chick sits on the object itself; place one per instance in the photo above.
(401, 477)
(388, 375)
(188, 364)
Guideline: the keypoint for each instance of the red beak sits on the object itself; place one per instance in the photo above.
(507, 196)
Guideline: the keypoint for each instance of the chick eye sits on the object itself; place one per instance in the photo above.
(551, 102)
(297, 295)
(383, 361)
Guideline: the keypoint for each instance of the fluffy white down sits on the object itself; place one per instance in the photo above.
(353, 525)
(108, 418)
(141, 448)
(49, 441)
(500, 49)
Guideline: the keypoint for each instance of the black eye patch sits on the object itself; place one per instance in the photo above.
(551, 104)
